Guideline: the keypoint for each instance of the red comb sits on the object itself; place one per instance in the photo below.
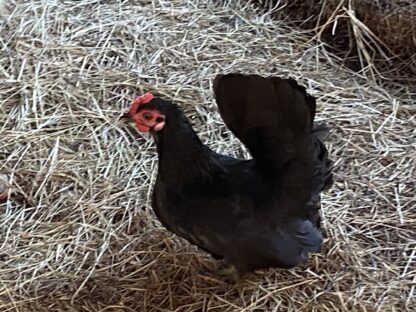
(140, 100)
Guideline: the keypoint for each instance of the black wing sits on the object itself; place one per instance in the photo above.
(274, 117)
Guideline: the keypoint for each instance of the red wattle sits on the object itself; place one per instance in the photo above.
(142, 128)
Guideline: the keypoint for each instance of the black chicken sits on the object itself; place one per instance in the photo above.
(256, 213)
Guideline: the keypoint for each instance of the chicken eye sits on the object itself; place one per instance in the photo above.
(148, 116)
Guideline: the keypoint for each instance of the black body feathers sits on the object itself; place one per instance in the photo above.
(256, 213)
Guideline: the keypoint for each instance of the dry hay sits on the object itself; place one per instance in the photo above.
(377, 38)
(77, 233)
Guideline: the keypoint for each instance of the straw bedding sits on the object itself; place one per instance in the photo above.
(77, 232)
(375, 37)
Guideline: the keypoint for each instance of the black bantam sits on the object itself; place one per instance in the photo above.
(258, 213)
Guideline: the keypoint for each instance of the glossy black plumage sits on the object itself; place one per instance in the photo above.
(255, 213)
